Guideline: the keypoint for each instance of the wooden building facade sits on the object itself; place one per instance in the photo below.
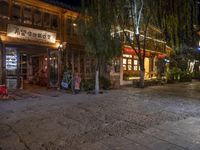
(126, 68)
(32, 35)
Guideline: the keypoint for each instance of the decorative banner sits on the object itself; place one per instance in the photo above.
(161, 56)
(30, 34)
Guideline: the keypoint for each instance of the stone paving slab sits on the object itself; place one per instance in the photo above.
(180, 135)
(170, 138)
(153, 143)
(121, 143)
(184, 134)
(158, 118)
(188, 128)
(94, 146)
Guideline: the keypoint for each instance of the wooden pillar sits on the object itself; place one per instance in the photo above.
(84, 61)
(10, 9)
(48, 68)
(72, 62)
(59, 69)
(66, 56)
(79, 63)
(1, 62)
(18, 70)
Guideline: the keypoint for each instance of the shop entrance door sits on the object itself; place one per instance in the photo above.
(146, 66)
(54, 65)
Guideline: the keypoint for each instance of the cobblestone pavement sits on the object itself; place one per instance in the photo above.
(156, 118)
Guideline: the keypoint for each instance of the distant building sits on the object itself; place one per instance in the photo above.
(126, 68)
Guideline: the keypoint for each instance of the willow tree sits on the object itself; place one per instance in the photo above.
(97, 23)
(176, 18)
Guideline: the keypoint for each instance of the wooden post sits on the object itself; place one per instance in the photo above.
(79, 63)
(48, 68)
(72, 87)
(10, 8)
(59, 68)
(67, 59)
(84, 61)
(18, 69)
(1, 62)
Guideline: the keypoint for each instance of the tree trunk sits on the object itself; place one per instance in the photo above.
(97, 81)
(97, 75)
(141, 62)
(142, 74)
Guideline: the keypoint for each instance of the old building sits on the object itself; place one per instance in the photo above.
(126, 68)
(39, 40)
(33, 35)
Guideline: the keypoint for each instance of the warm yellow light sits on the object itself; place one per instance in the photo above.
(60, 46)
(57, 44)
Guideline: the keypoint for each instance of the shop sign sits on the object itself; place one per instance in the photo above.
(30, 34)
(11, 62)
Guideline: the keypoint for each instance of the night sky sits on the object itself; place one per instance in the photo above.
(71, 2)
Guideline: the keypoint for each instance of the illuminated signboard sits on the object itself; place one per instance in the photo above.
(11, 62)
(30, 34)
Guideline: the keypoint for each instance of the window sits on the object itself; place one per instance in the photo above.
(69, 26)
(37, 18)
(4, 11)
(46, 19)
(116, 65)
(136, 66)
(16, 9)
(27, 15)
(54, 22)
(127, 62)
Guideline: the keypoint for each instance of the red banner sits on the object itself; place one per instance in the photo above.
(161, 56)
(131, 51)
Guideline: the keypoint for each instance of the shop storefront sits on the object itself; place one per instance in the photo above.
(30, 56)
(31, 35)
(131, 67)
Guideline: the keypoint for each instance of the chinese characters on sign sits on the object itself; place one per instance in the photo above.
(30, 33)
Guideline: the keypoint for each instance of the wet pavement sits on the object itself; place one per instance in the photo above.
(155, 118)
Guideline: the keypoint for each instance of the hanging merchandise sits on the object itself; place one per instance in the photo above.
(67, 79)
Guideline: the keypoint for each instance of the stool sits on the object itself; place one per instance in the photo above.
(3, 92)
